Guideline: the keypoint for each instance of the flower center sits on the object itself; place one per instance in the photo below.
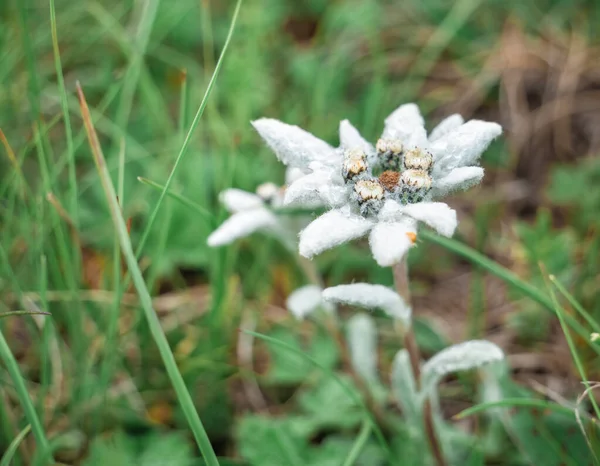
(389, 179)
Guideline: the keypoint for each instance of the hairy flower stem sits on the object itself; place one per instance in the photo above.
(332, 326)
(400, 271)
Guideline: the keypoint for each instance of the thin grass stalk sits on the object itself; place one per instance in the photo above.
(505, 275)
(571, 344)
(359, 444)
(67, 121)
(30, 413)
(188, 137)
(156, 330)
(400, 271)
(14, 445)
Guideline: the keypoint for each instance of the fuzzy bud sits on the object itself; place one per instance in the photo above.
(369, 194)
(417, 159)
(355, 164)
(389, 154)
(414, 186)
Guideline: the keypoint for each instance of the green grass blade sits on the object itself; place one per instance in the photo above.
(182, 199)
(190, 132)
(26, 402)
(23, 313)
(156, 330)
(12, 448)
(359, 444)
(515, 402)
(67, 119)
(144, 27)
(504, 274)
(113, 319)
(572, 348)
(576, 305)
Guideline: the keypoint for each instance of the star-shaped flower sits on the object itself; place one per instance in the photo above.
(386, 189)
(252, 212)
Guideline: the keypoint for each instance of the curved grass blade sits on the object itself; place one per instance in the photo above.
(12, 448)
(156, 330)
(560, 312)
(21, 388)
(25, 400)
(512, 403)
(359, 444)
(188, 137)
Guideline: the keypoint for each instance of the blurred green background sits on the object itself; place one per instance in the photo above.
(93, 369)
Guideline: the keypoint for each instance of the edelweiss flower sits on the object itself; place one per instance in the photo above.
(386, 189)
(253, 212)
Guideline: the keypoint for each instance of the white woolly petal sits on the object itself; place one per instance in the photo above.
(332, 229)
(370, 296)
(334, 196)
(458, 179)
(464, 356)
(305, 189)
(351, 138)
(407, 124)
(292, 145)
(242, 224)
(362, 342)
(292, 174)
(390, 242)
(237, 200)
(445, 126)
(316, 189)
(463, 146)
(305, 300)
(437, 215)
(404, 388)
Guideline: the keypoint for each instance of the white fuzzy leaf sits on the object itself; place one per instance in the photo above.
(404, 388)
(362, 342)
(237, 200)
(292, 145)
(463, 146)
(445, 126)
(458, 179)
(370, 296)
(242, 224)
(406, 124)
(305, 300)
(350, 138)
(437, 215)
(464, 356)
(390, 242)
(332, 229)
